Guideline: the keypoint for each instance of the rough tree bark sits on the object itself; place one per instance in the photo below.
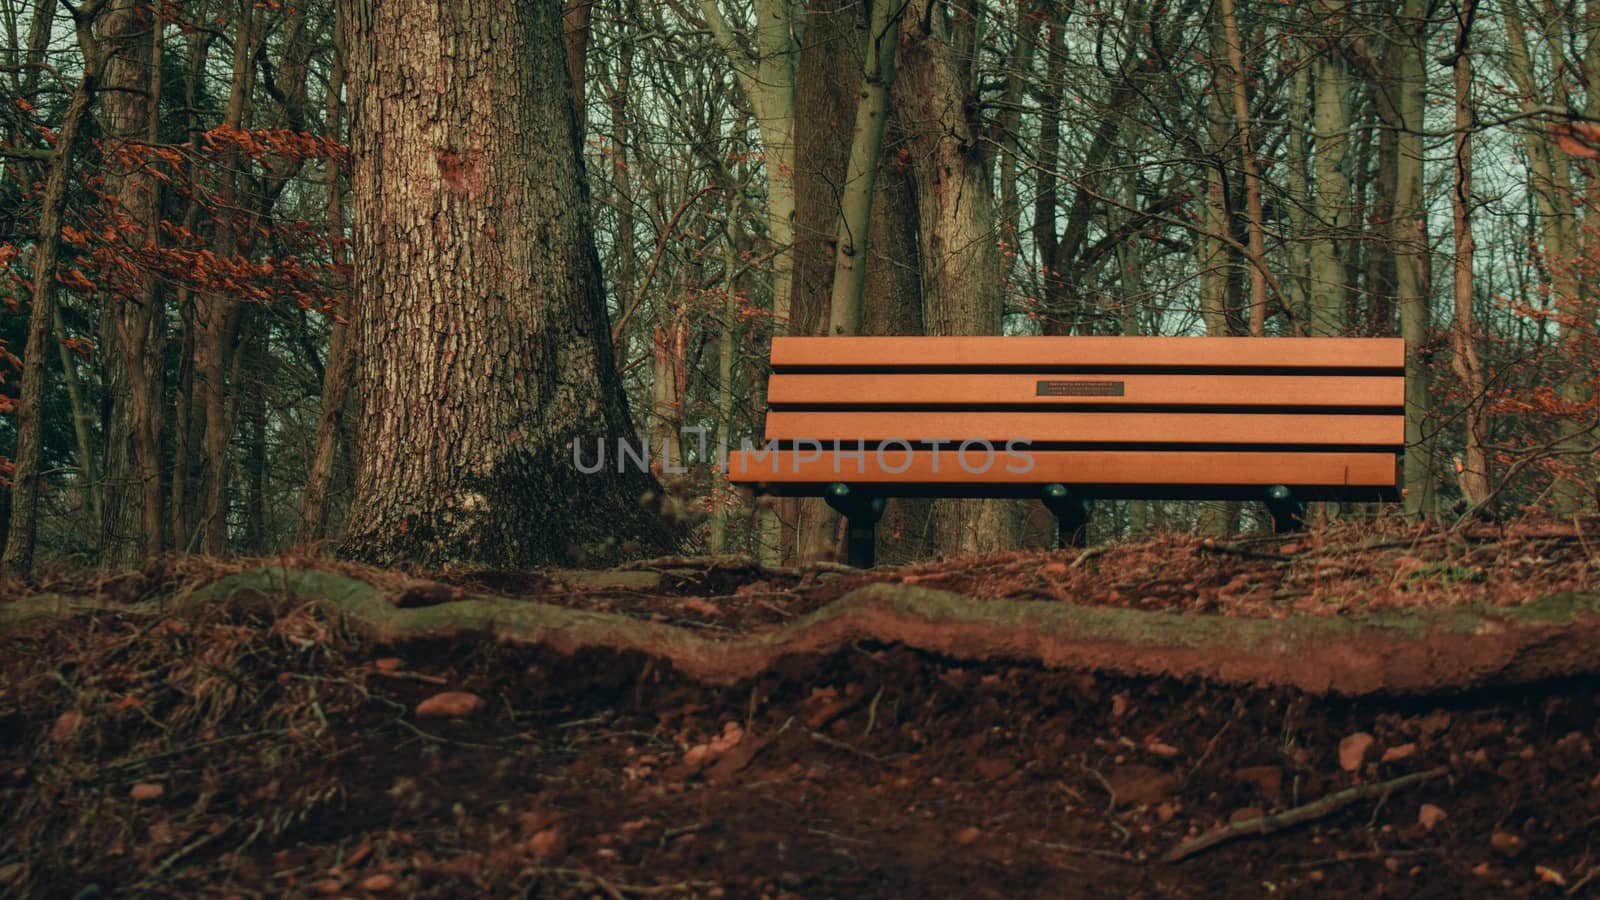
(483, 348)
(962, 280)
(131, 526)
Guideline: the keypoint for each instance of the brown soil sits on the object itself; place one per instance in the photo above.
(291, 759)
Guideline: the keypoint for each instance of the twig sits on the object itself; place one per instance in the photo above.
(1310, 812)
(1579, 884)
(1091, 851)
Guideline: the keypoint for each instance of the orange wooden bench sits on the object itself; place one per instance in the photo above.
(1072, 419)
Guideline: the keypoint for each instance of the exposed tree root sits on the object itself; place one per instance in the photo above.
(1421, 652)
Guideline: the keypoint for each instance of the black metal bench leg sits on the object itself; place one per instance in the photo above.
(1072, 515)
(861, 513)
(1288, 511)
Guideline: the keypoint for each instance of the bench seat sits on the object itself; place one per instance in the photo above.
(1073, 419)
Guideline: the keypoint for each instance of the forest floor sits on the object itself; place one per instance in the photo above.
(261, 744)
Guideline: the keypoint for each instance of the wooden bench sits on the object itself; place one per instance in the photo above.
(1284, 420)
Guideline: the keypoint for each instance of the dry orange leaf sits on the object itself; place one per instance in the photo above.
(449, 705)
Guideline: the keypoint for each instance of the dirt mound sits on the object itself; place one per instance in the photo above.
(230, 752)
(711, 728)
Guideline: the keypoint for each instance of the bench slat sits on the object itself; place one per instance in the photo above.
(1074, 467)
(1043, 389)
(1094, 427)
(1155, 352)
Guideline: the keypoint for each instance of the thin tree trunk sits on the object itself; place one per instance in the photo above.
(1551, 185)
(1409, 235)
(88, 475)
(340, 369)
(1332, 203)
(1237, 79)
(217, 314)
(1474, 467)
(768, 81)
(17, 560)
(866, 144)
(575, 26)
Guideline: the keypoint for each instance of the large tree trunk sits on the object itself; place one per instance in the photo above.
(484, 354)
(962, 286)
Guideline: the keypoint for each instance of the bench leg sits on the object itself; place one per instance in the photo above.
(861, 513)
(1288, 512)
(1072, 515)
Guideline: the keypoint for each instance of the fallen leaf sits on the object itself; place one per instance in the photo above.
(145, 792)
(1550, 876)
(388, 663)
(1506, 844)
(1353, 751)
(1395, 754)
(67, 725)
(547, 843)
(378, 883)
(1165, 751)
(449, 705)
(1430, 816)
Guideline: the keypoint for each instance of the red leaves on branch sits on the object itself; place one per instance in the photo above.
(1579, 139)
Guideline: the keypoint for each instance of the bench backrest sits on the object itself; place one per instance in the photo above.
(1132, 393)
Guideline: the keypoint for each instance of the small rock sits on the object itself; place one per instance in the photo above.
(378, 883)
(145, 792)
(67, 725)
(547, 843)
(449, 705)
(1430, 816)
(1506, 844)
(968, 836)
(1353, 751)
(1395, 754)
